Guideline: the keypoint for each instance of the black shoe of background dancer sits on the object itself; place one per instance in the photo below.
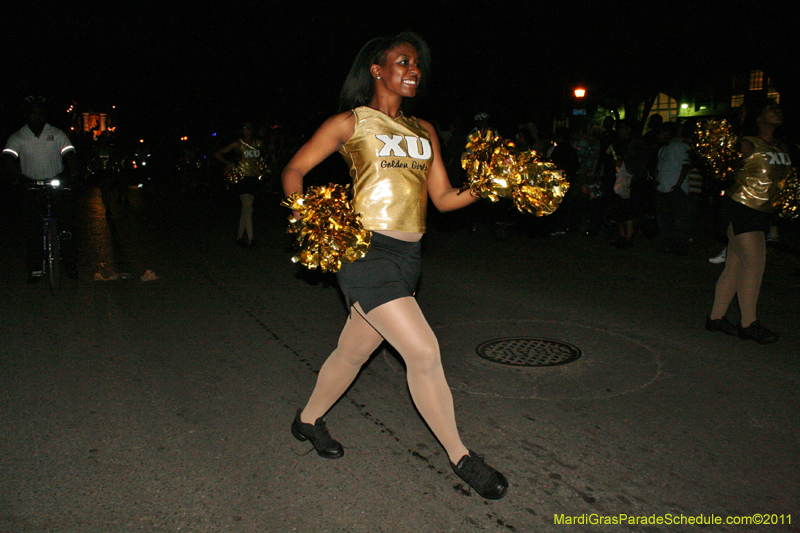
(318, 435)
(241, 242)
(253, 244)
(758, 333)
(34, 277)
(486, 481)
(721, 324)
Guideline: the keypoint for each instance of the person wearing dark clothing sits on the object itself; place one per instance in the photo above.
(565, 157)
(606, 171)
(632, 185)
(673, 202)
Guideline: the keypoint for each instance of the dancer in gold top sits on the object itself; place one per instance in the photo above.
(249, 150)
(395, 163)
(747, 208)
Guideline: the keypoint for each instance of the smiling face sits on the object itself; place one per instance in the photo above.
(399, 74)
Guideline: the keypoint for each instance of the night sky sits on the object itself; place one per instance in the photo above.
(174, 67)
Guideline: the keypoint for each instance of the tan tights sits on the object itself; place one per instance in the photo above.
(744, 269)
(402, 324)
(246, 218)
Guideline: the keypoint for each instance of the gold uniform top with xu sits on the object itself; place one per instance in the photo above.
(760, 176)
(389, 161)
(249, 155)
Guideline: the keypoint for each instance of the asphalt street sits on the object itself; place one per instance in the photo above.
(164, 405)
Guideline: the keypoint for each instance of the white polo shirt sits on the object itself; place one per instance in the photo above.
(40, 158)
(671, 159)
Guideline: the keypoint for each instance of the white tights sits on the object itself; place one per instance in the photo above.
(402, 324)
(744, 269)
(246, 218)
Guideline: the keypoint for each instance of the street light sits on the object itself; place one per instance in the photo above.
(580, 92)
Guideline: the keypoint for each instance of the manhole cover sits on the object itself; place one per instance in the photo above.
(528, 352)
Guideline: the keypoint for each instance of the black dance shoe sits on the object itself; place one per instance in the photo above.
(721, 324)
(758, 333)
(486, 481)
(318, 435)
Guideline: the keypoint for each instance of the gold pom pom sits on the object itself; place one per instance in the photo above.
(329, 232)
(233, 174)
(714, 143)
(787, 203)
(542, 189)
(263, 166)
(495, 170)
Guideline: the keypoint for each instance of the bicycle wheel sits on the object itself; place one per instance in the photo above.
(52, 259)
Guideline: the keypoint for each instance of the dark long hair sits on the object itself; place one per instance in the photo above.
(359, 86)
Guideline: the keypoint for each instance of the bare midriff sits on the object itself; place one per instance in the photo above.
(407, 236)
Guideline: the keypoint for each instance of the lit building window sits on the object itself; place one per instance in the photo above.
(756, 80)
(663, 105)
(772, 92)
(737, 100)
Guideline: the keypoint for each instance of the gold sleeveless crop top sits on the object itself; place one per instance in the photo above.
(389, 160)
(249, 154)
(760, 176)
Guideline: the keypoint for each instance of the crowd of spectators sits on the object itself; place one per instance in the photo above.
(628, 180)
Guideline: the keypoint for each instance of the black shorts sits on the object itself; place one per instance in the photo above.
(247, 185)
(390, 270)
(743, 219)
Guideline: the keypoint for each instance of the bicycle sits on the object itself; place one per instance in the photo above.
(51, 236)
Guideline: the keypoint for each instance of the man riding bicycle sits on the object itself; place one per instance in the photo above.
(38, 153)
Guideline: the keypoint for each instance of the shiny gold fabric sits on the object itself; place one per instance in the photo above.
(788, 201)
(389, 161)
(251, 163)
(759, 178)
(329, 232)
(495, 170)
(714, 143)
(250, 156)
